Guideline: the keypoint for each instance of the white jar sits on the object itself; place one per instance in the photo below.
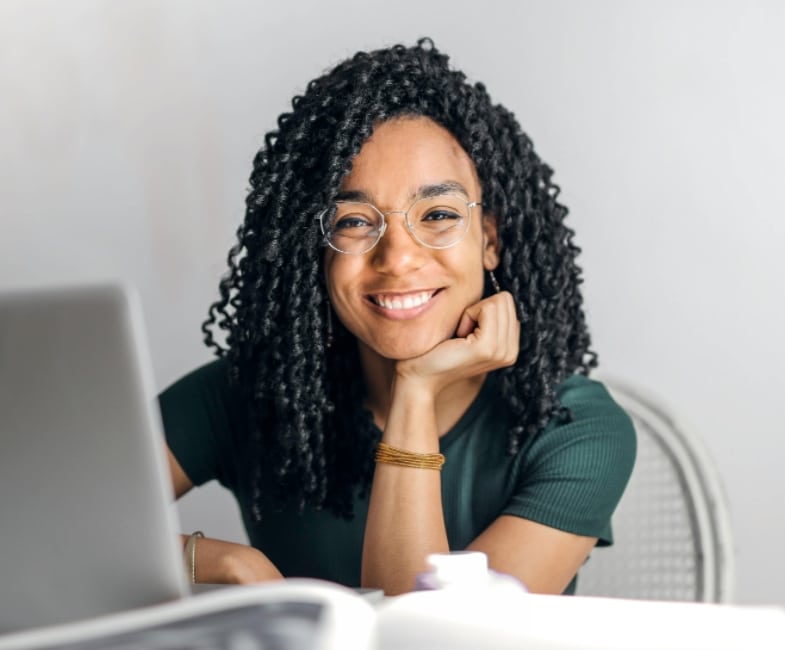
(463, 569)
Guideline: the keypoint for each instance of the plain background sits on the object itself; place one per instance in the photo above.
(127, 131)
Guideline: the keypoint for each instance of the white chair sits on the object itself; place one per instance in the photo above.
(672, 534)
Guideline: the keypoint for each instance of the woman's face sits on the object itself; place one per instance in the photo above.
(377, 294)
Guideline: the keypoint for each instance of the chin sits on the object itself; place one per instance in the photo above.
(403, 355)
(403, 350)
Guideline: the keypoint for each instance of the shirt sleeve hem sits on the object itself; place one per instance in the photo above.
(599, 529)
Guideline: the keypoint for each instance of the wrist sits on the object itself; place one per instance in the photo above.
(412, 388)
(411, 421)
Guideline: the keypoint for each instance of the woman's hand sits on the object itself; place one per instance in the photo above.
(487, 338)
(217, 561)
(405, 516)
(221, 562)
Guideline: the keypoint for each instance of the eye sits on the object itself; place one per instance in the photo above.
(441, 214)
(349, 221)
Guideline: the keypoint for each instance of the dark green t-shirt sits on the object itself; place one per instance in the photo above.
(570, 476)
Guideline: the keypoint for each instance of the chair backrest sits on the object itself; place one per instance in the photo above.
(672, 534)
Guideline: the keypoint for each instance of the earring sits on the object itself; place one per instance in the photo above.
(494, 282)
(329, 340)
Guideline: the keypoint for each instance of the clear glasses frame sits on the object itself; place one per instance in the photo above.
(470, 205)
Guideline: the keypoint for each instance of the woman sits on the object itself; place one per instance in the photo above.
(405, 362)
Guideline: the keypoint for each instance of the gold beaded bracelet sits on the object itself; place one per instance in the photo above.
(392, 455)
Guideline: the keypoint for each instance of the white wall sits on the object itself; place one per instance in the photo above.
(127, 130)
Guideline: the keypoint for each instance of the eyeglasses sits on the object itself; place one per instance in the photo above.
(354, 228)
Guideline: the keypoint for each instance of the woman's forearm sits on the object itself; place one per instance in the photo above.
(405, 519)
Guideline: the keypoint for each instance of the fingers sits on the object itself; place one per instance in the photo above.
(492, 325)
(465, 326)
(487, 338)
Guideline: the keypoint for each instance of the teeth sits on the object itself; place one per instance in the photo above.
(407, 302)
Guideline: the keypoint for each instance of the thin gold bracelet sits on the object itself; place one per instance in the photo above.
(393, 456)
(190, 555)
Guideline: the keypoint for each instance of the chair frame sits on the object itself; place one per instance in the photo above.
(700, 479)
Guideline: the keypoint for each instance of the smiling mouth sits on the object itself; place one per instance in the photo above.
(401, 302)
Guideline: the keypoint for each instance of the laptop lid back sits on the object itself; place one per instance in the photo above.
(87, 524)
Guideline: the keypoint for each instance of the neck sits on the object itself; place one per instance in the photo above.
(451, 403)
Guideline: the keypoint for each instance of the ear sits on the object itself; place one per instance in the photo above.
(490, 242)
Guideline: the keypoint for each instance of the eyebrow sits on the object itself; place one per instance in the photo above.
(423, 192)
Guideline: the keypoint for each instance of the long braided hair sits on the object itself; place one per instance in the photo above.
(312, 442)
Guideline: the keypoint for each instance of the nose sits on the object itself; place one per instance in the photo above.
(397, 253)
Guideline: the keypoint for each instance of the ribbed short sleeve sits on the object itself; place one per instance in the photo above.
(200, 418)
(573, 474)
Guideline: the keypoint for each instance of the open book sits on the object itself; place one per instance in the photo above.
(300, 614)
(296, 614)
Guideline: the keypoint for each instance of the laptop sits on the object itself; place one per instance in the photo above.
(87, 523)
(89, 551)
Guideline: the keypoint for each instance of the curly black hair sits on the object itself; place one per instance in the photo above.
(313, 442)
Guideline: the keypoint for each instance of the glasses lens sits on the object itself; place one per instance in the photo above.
(440, 221)
(352, 227)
